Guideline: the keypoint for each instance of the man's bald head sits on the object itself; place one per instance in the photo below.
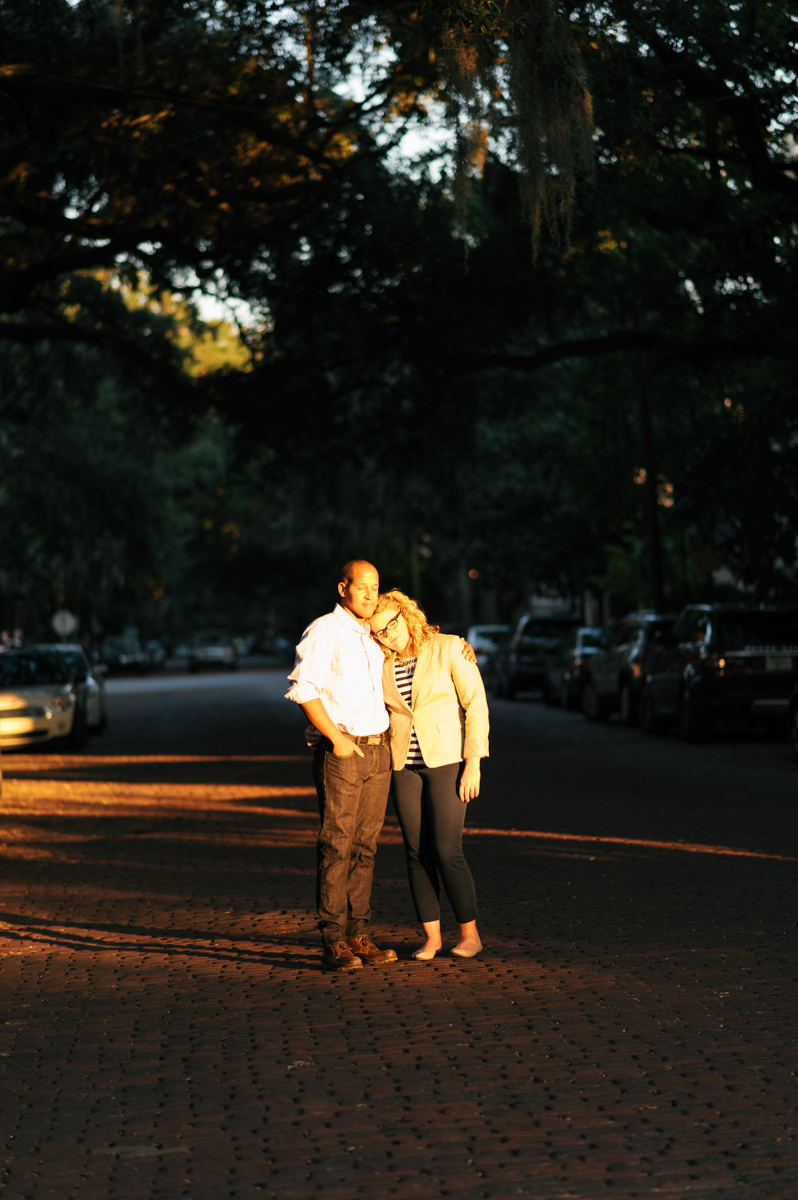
(359, 588)
(348, 569)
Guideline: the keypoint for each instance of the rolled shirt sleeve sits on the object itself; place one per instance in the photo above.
(311, 666)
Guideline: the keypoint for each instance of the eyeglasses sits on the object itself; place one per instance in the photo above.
(388, 629)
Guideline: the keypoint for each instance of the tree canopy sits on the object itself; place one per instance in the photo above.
(443, 351)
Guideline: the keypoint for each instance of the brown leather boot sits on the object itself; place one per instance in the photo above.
(338, 957)
(368, 952)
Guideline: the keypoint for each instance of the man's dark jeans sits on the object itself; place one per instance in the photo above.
(353, 795)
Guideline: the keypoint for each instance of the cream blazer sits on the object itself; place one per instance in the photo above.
(448, 706)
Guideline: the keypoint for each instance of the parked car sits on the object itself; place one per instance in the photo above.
(272, 645)
(521, 664)
(455, 628)
(156, 652)
(124, 653)
(89, 682)
(212, 648)
(726, 662)
(794, 721)
(614, 678)
(243, 643)
(485, 641)
(39, 701)
(566, 671)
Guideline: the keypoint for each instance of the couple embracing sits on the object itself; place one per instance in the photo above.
(396, 706)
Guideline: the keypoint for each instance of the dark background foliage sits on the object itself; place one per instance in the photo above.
(410, 384)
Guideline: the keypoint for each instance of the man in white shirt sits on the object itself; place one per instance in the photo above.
(337, 681)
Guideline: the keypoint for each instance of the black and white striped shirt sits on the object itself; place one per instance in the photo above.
(404, 669)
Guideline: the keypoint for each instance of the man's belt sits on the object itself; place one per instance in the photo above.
(369, 739)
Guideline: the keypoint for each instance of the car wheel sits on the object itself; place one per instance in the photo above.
(626, 703)
(693, 719)
(78, 736)
(101, 725)
(794, 729)
(593, 706)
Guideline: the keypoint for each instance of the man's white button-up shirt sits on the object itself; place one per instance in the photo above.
(339, 663)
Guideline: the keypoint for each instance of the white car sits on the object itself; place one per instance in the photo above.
(212, 648)
(486, 639)
(39, 701)
(89, 683)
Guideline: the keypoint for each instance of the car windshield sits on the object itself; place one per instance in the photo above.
(551, 629)
(743, 631)
(31, 670)
(591, 639)
(212, 639)
(488, 633)
(76, 661)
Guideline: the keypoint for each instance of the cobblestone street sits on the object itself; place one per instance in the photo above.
(629, 1030)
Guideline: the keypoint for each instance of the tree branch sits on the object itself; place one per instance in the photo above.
(710, 85)
(623, 342)
(240, 114)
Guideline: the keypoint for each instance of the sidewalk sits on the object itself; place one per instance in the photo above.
(629, 1031)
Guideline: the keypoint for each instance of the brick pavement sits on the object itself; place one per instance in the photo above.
(629, 1031)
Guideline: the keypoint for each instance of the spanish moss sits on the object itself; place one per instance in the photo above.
(550, 104)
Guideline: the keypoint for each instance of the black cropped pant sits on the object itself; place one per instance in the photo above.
(432, 816)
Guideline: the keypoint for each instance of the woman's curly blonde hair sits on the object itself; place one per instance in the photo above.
(420, 629)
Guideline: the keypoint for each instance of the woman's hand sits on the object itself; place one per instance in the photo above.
(469, 780)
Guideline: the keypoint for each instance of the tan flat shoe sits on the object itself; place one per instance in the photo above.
(423, 955)
(458, 953)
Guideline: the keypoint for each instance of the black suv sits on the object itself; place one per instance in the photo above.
(568, 665)
(521, 664)
(614, 678)
(723, 661)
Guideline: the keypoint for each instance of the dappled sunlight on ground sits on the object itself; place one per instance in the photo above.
(628, 1020)
(69, 785)
(689, 847)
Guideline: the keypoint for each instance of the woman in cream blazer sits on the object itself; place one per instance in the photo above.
(439, 733)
